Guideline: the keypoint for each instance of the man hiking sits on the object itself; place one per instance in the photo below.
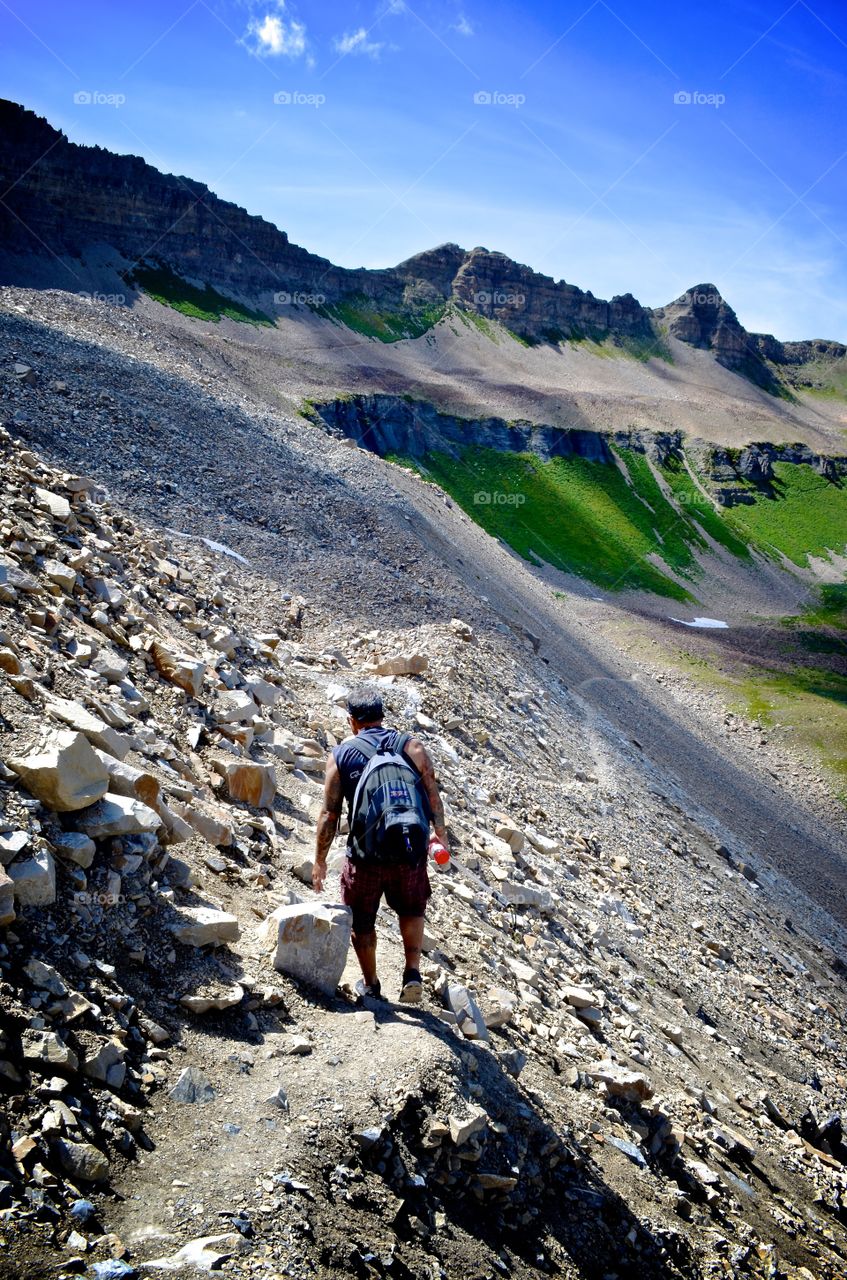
(388, 781)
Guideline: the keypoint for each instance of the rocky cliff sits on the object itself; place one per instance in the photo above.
(65, 203)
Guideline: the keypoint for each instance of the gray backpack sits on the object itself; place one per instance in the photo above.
(390, 813)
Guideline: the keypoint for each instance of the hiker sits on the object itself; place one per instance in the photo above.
(389, 815)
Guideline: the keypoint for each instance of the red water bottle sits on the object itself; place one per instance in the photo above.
(437, 851)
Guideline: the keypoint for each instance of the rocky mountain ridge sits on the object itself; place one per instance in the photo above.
(86, 205)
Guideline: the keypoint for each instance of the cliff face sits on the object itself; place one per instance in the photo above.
(64, 201)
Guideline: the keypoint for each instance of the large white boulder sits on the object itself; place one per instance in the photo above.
(311, 942)
(63, 772)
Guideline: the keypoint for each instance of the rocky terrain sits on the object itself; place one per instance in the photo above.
(630, 1059)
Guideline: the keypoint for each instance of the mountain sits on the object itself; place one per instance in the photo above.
(70, 211)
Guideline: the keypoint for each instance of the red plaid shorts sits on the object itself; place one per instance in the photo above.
(406, 887)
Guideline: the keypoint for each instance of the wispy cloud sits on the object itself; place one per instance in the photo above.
(270, 34)
(462, 25)
(357, 42)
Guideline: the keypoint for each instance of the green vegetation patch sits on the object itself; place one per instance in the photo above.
(698, 507)
(360, 314)
(581, 517)
(800, 514)
(165, 286)
(810, 701)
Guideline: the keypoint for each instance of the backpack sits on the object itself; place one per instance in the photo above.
(390, 813)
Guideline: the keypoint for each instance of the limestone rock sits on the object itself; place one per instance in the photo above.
(98, 733)
(117, 815)
(462, 1128)
(311, 942)
(185, 672)
(632, 1086)
(35, 879)
(212, 823)
(204, 1004)
(57, 506)
(76, 847)
(205, 926)
(251, 783)
(7, 899)
(468, 1013)
(12, 843)
(81, 1160)
(192, 1086)
(126, 780)
(409, 664)
(526, 895)
(64, 772)
(235, 707)
(44, 1048)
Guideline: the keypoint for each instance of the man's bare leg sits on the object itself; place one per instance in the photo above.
(364, 944)
(412, 931)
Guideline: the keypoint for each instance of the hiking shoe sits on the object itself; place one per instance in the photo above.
(369, 990)
(412, 990)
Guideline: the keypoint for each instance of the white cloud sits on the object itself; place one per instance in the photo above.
(463, 26)
(272, 36)
(358, 42)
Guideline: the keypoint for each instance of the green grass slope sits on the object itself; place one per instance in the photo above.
(800, 514)
(165, 286)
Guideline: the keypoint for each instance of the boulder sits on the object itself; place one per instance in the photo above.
(107, 1065)
(98, 733)
(249, 782)
(81, 1160)
(213, 824)
(64, 772)
(263, 692)
(469, 1017)
(311, 942)
(7, 899)
(54, 504)
(126, 780)
(35, 879)
(526, 895)
(185, 672)
(76, 847)
(12, 843)
(631, 1086)
(407, 664)
(45, 1049)
(235, 707)
(192, 1086)
(62, 574)
(463, 1128)
(514, 838)
(578, 997)
(205, 926)
(117, 815)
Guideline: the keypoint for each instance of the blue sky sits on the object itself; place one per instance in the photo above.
(632, 146)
